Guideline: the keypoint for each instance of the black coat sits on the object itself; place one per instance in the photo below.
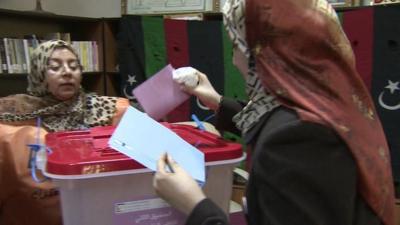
(302, 173)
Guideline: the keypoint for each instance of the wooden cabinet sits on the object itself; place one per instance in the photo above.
(17, 24)
(111, 75)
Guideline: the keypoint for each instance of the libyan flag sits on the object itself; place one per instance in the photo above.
(374, 35)
(147, 44)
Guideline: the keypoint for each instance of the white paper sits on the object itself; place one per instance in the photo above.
(145, 140)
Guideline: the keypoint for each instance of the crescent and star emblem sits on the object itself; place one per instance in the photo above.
(392, 86)
(131, 80)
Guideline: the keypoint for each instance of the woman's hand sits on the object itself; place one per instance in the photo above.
(177, 188)
(203, 90)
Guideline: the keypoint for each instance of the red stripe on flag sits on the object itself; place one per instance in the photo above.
(176, 39)
(359, 27)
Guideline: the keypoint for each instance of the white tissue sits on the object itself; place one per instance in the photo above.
(186, 75)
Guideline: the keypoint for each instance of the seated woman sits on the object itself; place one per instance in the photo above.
(55, 95)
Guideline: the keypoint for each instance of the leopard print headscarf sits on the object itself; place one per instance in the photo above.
(83, 111)
(260, 102)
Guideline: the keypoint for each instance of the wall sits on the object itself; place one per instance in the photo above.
(85, 8)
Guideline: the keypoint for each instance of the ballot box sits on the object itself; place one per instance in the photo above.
(101, 186)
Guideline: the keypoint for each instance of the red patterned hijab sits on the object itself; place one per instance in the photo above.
(304, 59)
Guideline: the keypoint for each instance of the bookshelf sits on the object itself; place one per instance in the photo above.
(17, 24)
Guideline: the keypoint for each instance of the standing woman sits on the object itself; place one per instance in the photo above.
(319, 154)
(55, 95)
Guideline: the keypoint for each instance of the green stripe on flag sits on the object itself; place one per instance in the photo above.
(340, 15)
(154, 44)
(234, 84)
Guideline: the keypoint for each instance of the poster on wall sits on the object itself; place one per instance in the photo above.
(381, 2)
(157, 7)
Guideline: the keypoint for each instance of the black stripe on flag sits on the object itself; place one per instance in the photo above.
(206, 55)
(386, 77)
(131, 55)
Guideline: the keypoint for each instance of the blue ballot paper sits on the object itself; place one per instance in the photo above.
(145, 140)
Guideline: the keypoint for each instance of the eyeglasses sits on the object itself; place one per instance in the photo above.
(57, 66)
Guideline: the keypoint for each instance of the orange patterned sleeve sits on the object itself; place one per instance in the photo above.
(121, 106)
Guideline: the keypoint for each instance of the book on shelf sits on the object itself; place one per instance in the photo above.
(95, 56)
(88, 55)
(3, 57)
(20, 56)
(8, 55)
(27, 55)
(15, 54)
(84, 52)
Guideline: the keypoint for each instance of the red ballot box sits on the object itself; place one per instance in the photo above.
(99, 185)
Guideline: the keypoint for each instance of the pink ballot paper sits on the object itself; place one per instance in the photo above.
(159, 94)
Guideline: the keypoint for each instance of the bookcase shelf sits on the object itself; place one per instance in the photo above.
(17, 24)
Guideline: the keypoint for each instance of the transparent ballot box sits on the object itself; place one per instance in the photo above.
(101, 186)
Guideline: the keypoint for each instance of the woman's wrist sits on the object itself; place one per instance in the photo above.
(193, 202)
(219, 103)
(215, 102)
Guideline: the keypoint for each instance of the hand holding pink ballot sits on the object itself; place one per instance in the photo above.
(160, 94)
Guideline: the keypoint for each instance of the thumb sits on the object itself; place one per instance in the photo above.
(187, 89)
(175, 166)
(171, 161)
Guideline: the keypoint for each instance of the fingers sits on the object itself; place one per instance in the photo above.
(201, 76)
(166, 161)
(171, 160)
(160, 173)
(169, 166)
(162, 177)
(161, 163)
(186, 88)
(175, 166)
